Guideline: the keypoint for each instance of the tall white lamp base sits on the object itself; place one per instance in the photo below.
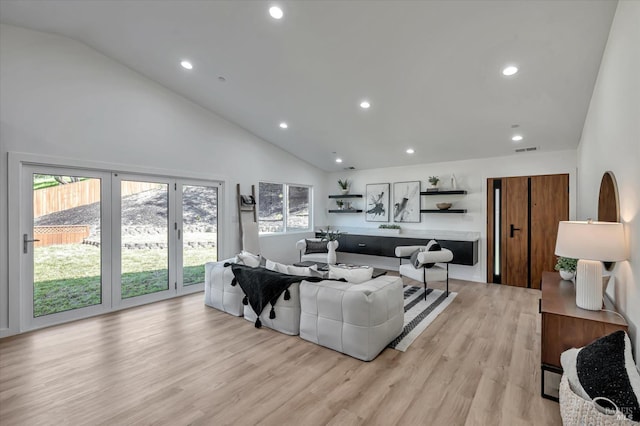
(589, 284)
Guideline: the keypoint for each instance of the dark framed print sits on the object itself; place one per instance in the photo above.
(377, 204)
(406, 201)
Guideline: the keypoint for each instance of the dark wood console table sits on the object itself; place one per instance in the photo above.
(566, 326)
(464, 252)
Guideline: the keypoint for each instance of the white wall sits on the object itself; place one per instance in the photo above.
(60, 98)
(611, 141)
(470, 175)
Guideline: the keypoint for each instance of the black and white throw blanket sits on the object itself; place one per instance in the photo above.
(262, 286)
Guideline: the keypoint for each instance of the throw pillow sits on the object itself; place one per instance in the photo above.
(605, 368)
(248, 259)
(433, 245)
(301, 271)
(352, 275)
(414, 258)
(314, 246)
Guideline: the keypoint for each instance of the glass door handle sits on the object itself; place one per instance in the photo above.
(25, 242)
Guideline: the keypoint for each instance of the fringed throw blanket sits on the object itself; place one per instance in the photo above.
(262, 286)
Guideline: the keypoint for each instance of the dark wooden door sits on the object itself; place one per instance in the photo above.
(522, 225)
(515, 231)
(549, 205)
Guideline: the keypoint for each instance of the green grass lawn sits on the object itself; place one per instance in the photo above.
(68, 276)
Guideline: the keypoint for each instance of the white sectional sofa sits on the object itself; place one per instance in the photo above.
(359, 320)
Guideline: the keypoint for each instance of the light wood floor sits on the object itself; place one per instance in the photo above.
(178, 362)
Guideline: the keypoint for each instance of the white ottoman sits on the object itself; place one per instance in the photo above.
(218, 291)
(359, 320)
(287, 318)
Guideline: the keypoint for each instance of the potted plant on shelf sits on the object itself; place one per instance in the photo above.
(332, 243)
(340, 204)
(567, 267)
(389, 229)
(433, 181)
(344, 186)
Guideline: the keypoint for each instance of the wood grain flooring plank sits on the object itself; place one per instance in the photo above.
(177, 362)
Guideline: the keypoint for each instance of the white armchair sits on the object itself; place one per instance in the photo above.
(315, 257)
(425, 273)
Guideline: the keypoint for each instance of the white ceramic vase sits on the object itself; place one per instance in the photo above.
(567, 275)
(332, 258)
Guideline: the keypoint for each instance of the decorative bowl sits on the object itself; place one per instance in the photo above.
(443, 206)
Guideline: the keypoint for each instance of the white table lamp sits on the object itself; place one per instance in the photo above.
(591, 243)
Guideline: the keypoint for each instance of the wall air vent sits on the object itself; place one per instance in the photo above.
(530, 149)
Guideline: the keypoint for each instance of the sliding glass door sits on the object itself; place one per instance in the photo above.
(198, 236)
(144, 209)
(95, 241)
(63, 244)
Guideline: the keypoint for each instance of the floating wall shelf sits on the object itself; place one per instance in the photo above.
(346, 196)
(445, 192)
(345, 211)
(444, 211)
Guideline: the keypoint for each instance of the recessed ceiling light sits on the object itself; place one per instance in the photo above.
(338, 160)
(221, 79)
(410, 151)
(186, 65)
(517, 138)
(276, 12)
(284, 125)
(365, 104)
(510, 70)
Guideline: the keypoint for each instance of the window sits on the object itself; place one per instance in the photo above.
(284, 207)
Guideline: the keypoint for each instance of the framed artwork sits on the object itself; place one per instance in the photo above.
(406, 201)
(377, 204)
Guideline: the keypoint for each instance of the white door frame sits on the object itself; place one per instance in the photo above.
(116, 252)
(18, 160)
(26, 259)
(181, 288)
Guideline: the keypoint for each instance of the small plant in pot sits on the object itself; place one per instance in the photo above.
(340, 204)
(433, 181)
(344, 186)
(567, 267)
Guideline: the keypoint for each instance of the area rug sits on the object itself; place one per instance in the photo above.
(419, 313)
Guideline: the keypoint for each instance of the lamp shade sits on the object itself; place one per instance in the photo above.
(591, 240)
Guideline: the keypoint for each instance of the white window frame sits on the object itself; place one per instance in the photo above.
(285, 207)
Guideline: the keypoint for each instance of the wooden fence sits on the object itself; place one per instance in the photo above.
(59, 234)
(63, 197)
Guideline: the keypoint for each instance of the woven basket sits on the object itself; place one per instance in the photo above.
(579, 412)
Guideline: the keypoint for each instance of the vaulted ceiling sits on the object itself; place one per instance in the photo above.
(431, 70)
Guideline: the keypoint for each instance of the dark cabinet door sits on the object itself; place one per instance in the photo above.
(464, 252)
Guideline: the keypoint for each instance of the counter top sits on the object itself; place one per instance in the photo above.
(410, 233)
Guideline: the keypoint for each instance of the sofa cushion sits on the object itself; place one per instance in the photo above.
(355, 275)
(219, 291)
(314, 246)
(605, 368)
(359, 320)
(249, 259)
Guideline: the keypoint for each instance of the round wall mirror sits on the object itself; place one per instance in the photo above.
(608, 204)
